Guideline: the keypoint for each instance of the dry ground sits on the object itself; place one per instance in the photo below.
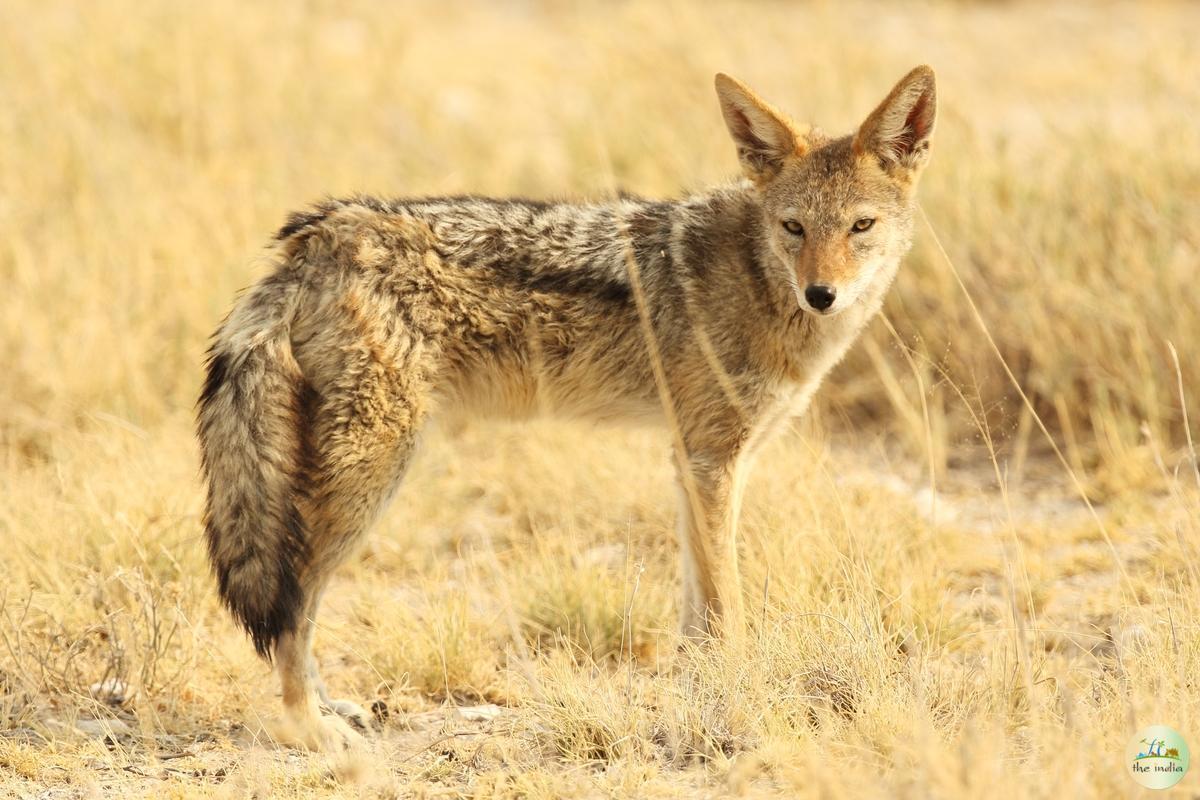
(945, 603)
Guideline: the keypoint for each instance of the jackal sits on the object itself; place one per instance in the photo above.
(718, 314)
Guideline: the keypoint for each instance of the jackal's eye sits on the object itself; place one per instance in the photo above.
(793, 227)
(863, 224)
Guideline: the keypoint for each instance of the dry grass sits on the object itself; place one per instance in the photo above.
(1002, 641)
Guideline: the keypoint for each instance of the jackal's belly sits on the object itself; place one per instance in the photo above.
(581, 392)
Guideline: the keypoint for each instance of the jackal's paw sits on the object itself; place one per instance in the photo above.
(358, 717)
(320, 733)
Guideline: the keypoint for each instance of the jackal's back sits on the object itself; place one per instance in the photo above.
(530, 306)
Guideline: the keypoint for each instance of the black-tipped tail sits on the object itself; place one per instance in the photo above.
(252, 419)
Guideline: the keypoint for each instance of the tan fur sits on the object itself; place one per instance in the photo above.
(381, 314)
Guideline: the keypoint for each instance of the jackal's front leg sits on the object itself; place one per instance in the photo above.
(710, 494)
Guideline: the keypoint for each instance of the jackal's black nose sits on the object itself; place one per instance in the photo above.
(820, 296)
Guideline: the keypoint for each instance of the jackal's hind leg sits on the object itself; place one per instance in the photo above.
(302, 724)
(364, 441)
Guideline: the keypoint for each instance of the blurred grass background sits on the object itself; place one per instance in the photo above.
(149, 149)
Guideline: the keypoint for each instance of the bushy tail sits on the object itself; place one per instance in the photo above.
(253, 414)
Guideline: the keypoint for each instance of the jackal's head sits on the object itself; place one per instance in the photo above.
(837, 212)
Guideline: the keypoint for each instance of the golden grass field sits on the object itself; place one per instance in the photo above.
(952, 591)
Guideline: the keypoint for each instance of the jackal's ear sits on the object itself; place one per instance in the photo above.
(898, 132)
(765, 138)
